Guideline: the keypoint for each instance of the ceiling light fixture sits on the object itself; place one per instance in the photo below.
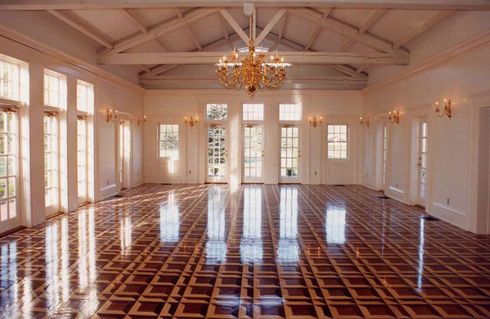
(252, 71)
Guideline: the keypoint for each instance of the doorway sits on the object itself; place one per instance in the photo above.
(290, 154)
(483, 208)
(253, 153)
(217, 170)
(422, 162)
(124, 155)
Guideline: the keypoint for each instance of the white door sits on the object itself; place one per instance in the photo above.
(171, 153)
(384, 157)
(124, 159)
(422, 162)
(253, 153)
(217, 163)
(51, 164)
(290, 154)
(9, 212)
(82, 160)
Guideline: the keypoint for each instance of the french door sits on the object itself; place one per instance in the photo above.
(51, 164)
(9, 212)
(217, 170)
(124, 155)
(290, 154)
(422, 162)
(82, 160)
(253, 153)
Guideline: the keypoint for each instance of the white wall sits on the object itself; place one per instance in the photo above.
(107, 95)
(460, 75)
(170, 107)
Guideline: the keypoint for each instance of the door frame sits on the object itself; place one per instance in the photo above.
(210, 179)
(125, 120)
(299, 177)
(422, 201)
(251, 180)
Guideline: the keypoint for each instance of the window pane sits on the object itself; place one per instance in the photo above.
(337, 141)
(216, 112)
(54, 89)
(290, 112)
(253, 112)
(169, 141)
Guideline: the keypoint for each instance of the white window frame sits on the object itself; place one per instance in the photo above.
(85, 108)
(253, 112)
(177, 150)
(287, 112)
(21, 79)
(346, 142)
(55, 85)
(54, 205)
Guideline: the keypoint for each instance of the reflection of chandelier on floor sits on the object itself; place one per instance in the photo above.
(254, 71)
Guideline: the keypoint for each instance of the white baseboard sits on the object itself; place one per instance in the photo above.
(107, 191)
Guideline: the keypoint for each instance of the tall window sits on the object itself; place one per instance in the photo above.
(85, 106)
(290, 112)
(8, 165)
(169, 141)
(253, 116)
(51, 168)
(13, 75)
(216, 112)
(54, 101)
(337, 141)
(216, 115)
(385, 154)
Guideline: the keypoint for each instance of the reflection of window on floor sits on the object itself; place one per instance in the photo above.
(216, 245)
(86, 249)
(125, 229)
(288, 248)
(335, 224)
(169, 220)
(251, 244)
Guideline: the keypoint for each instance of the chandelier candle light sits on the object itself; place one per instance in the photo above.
(253, 71)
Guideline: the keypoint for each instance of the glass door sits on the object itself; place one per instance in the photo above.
(290, 154)
(51, 166)
(124, 155)
(384, 157)
(217, 154)
(253, 153)
(422, 163)
(9, 214)
(82, 167)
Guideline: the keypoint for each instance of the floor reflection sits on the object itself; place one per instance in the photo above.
(216, 245)
(169, 220)
(251, 250)
(288, 247)
(335, 224)
(125, 233)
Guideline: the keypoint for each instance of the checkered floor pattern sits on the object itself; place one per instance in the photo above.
(259, 251)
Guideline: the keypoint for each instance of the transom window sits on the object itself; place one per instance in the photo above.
(337, 141)
(290, 112)
(85, 96)
(169, 141)
(54, 89)
(11, 78)
(253, 112)
(8, 167)
(216, 112)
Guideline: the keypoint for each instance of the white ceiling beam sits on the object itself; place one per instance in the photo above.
(279, 14)
(347, 31)
(316, 32)
(152, 4)
(188, 27)
(283, 26)
(291, 77)
(234, 25)
(295, 46)
(83, 27)
(429, 23)
(159, 30)
(366, 24)
(213, 57)
(135, 21)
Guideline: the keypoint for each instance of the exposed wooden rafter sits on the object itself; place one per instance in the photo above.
(316, 32)
(291, 56)
(279, 14)
(83, 27)
(234, 25)
(369, 22)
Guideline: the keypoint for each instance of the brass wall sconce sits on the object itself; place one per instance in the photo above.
(394, 117)
(191, 120)
(111, 115)
(140, 118)
(144, 118)
(364, 121)
(447, 111)
(315, 121)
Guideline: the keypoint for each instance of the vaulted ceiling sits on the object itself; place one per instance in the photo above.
(332, 44)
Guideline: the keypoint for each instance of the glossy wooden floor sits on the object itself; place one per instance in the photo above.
(261, 251)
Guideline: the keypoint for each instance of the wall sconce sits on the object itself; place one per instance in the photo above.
(364, 122)
(447, 111)
(191, 121)
(144, 118)
(315, 121)
(111, 115)
(394, 117)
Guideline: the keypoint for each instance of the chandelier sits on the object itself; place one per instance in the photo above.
(252, 71)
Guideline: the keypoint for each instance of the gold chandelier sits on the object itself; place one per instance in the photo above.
(253, 71)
